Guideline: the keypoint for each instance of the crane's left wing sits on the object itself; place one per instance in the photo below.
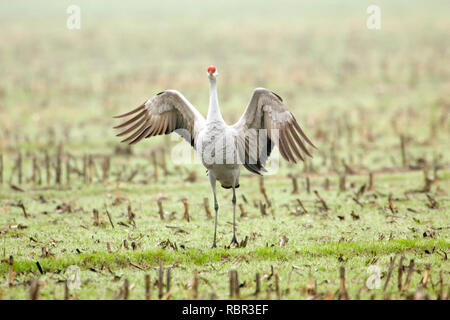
(267, 117)
(162, 114)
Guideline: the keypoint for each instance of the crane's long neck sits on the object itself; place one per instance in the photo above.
(214, 110)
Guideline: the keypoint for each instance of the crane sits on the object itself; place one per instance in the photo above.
(222, 148)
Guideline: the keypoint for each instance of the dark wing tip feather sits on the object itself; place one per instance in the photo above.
(298, 140)
(131, 112)
(254, 169)
(130, 121)
(282, 148)
(137, 132)
(293, 143)
(277, 96)
(133, 127)
(142, 133)
(297, 126)
(287, 145)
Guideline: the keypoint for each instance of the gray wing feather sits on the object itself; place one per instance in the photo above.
(267, 111)
(168, 111)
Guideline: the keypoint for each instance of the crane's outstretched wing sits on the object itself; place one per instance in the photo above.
(162, 114)
(266, 110)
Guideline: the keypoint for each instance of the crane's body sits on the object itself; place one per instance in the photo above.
(222, 148)
(219, 139)
(216, 148)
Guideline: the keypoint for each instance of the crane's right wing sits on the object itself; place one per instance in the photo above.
(268, 117)
(162, 114)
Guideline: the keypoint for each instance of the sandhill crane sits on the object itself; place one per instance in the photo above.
(222, 148)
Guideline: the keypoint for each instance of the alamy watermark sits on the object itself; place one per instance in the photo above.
(373, 21)
(74, 18)
(73, 277)
(374, 280)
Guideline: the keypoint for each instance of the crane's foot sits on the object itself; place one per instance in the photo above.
(214, 246)
(234, 241)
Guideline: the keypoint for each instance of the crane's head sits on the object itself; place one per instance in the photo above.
(212, 72)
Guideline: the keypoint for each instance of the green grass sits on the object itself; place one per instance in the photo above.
(199, 257)
(318, 243)
(354, 91)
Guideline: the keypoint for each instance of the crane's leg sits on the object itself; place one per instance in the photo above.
(212, 180)
(233, 200)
